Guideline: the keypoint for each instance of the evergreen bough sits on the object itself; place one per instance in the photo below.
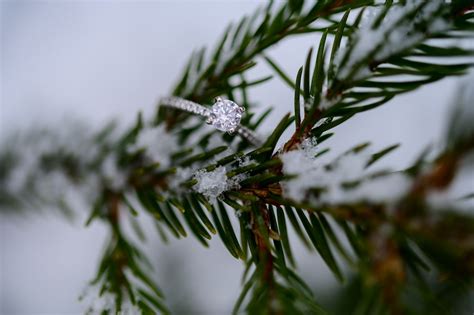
(407, 255)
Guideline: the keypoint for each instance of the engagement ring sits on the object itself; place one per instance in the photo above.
(224, 115)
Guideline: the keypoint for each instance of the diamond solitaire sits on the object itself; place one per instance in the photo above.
(225, 115)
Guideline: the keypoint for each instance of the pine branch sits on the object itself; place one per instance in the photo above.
(121, 273)
(376, 63)
(206, 177)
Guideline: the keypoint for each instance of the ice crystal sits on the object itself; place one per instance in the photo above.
(213, 183)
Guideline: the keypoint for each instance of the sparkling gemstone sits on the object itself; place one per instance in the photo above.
(226, 115)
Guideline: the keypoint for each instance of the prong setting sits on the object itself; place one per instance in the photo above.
(226, 115)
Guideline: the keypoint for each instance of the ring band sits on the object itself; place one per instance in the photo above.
(224, 115)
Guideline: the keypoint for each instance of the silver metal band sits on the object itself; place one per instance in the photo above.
(249, 135)
(195, 108)
(185, 105)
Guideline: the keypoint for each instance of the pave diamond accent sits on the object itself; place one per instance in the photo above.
(225, 115)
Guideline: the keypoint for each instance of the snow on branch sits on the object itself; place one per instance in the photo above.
(461, 127)
(213, 183)
(345, 179)
(157, 144)
(402, 27)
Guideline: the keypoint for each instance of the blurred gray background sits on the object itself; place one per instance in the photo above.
(97, 60)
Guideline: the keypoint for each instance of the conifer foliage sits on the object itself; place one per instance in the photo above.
(408, 248)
